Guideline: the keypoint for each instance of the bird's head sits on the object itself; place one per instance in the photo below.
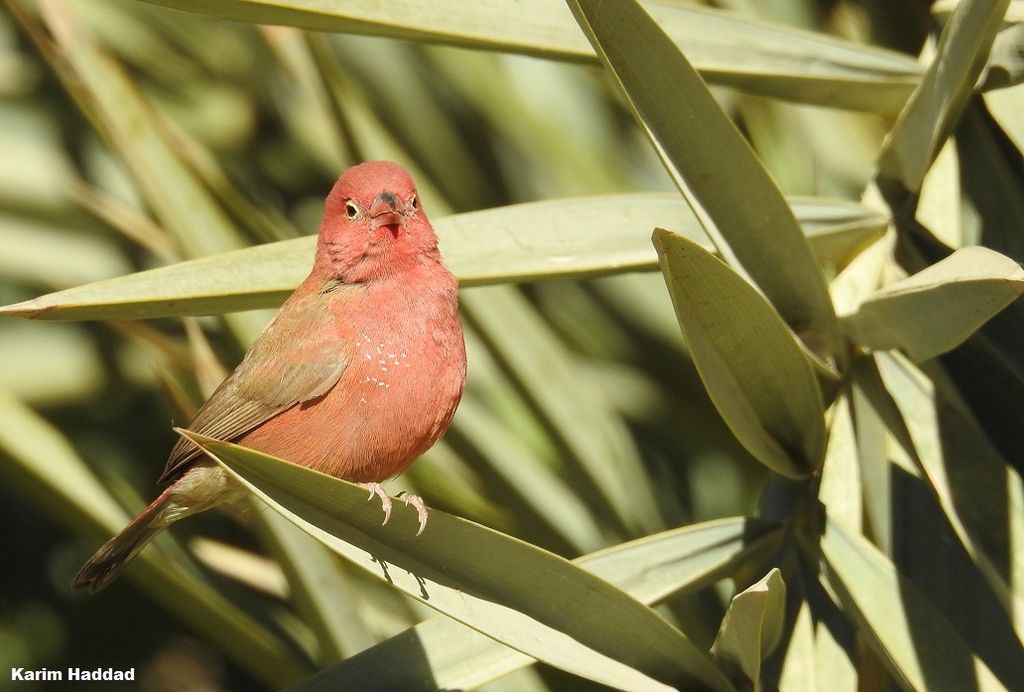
(373, 225)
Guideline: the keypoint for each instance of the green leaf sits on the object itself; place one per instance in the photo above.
(732, 195)
(918, 645)
(752, 626)
(753, 368)
(759, 57)
(442, 654)
(511, 591)
(654, 568)
(936, 105)
(838, 233)
(863, 275)
(522, 242)
(209, 285)
(936, 309)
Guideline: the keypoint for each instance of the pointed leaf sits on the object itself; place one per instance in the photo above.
(516, 593)
(752, 626)
(756, 56)
(753, 367)
(936, 309)
(939, 100)
(442, 654)
(522, 242)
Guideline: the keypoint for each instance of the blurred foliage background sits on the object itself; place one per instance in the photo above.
(134, 136)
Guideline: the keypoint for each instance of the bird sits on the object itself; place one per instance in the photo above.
(359, 373)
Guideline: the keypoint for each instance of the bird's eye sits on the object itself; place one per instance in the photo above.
(351, 210)
(414, 202)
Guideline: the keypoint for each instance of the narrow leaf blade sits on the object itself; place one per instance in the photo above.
(939, 99)
(465, 571)
(523, 242)
(442, 654)
(763, 58)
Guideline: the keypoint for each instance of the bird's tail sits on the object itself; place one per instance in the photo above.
(202, 486)
(109, 561)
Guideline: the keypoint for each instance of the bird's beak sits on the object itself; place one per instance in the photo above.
(384, 211)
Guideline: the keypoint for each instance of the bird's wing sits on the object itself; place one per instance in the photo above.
(295, 359)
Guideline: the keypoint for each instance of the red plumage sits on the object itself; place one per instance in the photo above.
(358, 374)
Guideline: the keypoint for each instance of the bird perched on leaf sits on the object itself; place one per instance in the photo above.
(358, 374)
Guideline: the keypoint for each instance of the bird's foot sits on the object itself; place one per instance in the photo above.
(385, 501)
(421, 508)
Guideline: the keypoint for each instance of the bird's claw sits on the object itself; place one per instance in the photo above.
(421, 508)
(415, 501)
(385, 501)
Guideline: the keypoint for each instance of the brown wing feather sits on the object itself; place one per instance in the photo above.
(293, 360)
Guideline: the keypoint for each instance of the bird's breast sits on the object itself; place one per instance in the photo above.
(396, 397)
